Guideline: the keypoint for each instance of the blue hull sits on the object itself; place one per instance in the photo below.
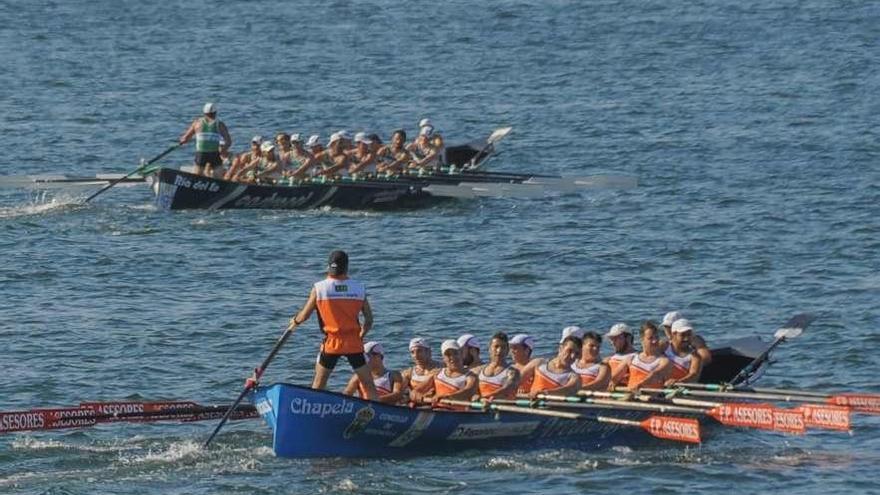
(312, 423)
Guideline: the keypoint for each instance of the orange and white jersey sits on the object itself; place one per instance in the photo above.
(617, 361)
(491, 384)
(588, 374)
(681, 365)
(384, 385)
(417, 380)
(548, 380)
(525, 380)
(339, 302)
(445, 384)
(639, 369)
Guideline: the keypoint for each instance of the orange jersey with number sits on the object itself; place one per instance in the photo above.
(339, 302)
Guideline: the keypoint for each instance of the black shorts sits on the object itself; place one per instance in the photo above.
(209, 158)
(329, 361)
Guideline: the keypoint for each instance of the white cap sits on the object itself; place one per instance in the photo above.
(344, 134)
(618, 329)
(267, 147)
(468, 340)
(417, 342)
(425, 123)
(314, 140)
(572, 331)
(209, 108)
(295, 138)
(449, 344)
(257, 139)
(426, 131)
(333, 138)
(671, 317)
(524, 339)
(361, 137)
(681, 325)
(374, 348)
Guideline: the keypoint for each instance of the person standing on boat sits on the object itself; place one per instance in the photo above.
(208, 131)
(498, 378)
(697, 343)
(621, 339)
(685, 363)
(389, 383)
(521, 347)
(419, 378)
(593, 373)
(555, 376)
(649, 368)
(340, 301)
(470, 351)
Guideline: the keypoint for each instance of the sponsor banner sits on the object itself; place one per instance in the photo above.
(301, 405)
(826, 416)
(859, 402)
(789, 421)
(480, 431)
(683, 429)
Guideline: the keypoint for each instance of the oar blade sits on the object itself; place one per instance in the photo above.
(760, 416)
(46, 419)
(795, 326)
(673, 428)
(865, 403)
(826, 417)
(498, 134)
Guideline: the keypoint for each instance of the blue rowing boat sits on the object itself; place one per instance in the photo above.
(319, 423)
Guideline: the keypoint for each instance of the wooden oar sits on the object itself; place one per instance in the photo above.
(791, 329)
(258, 372)
(744, 415)
(140, 167)
(857, 401)
(666, 427)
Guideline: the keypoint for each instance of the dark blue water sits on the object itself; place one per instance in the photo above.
(751, 125)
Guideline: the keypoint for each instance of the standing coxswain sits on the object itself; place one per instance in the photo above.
(389, 384)
(208, 131)
(339, 301)
(498, 378)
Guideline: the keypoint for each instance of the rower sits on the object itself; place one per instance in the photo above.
(555, 376)
(470, 351)
(621, 339)
(389, 384)
(498, 379)
(419, 378)
(363, 156)
(245, 158)
(339, 301)
(453, 381)
(264, 169)
(301, 160)
(685, 363)
(428, 149)
(521, 347)
(649, 368)
(593, 373)
(320, 157)
(282, 143)
(668, 319)
(226, 159)
(208, 131)
(420, 148)
(337, 156)
(394, 157)
(697, 343)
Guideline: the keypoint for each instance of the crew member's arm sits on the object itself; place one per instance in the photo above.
(511, 382)
(308, 163)
(366, 162)
(368, 318)
(601, 380)
(420, 393)
(693, 372)
(659, 372)
(306, 312)
(702, 349)
(470, 388)
(617, 375)
(339, 164)
(569, 388)
(190, 132)
(396, 389)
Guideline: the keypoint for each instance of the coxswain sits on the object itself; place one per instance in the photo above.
(340, 301)
(453, 381)
(686, 364)
(555, 376)
(697, 343)
(394, 157)
(521, 347)
(649, 368)
(621, 339)
(363, 157)
(243, 159)
(208, 131)
(498, 378)
(593, 373)
(419, 378)
(389, 384)
(470, 351)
